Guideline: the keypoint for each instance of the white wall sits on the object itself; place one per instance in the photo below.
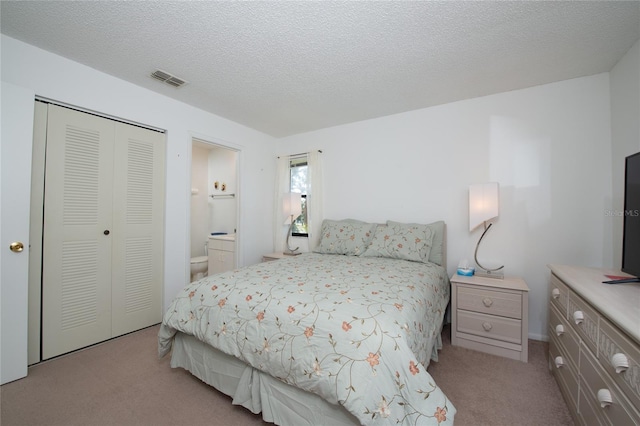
(55, 77)
(199, 200)
(548, 146)
(625, 136)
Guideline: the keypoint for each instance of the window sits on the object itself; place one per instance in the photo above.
(298, 183)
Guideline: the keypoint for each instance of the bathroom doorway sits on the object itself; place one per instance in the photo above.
(214, 208)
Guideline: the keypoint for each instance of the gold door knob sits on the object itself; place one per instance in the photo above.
(16, 246)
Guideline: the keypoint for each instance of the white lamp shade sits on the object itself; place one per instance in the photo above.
(483, 203)
(292, 205)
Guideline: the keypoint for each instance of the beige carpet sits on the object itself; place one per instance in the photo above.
(122, 382)
(491, 390)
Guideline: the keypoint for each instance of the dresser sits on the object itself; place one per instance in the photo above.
(490, 315)
(594, 345)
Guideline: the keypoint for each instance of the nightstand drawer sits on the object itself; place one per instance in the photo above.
(491, 302)
(493, 327)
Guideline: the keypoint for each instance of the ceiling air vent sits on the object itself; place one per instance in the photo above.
(171, 80)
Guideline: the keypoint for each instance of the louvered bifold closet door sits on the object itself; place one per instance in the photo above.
(103, 230)
(138, 243)
(76, 280)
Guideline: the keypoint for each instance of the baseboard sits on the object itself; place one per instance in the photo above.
(540, 337)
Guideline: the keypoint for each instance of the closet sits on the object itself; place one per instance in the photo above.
(102, 238)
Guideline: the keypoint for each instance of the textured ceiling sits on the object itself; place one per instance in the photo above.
(290, 67)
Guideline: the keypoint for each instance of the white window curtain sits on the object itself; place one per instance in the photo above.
(282, 187)
(315, 200)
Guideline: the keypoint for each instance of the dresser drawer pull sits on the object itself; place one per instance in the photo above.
(604, 396)
(559, 362)
(487, 326)
(578, 317)
(559, 329)
(555, 293)
(620, 362)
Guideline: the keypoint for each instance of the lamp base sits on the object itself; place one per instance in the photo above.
(290, 253)
(490, 274)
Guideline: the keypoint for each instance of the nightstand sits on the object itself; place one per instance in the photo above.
(273, 256)
(490, 315)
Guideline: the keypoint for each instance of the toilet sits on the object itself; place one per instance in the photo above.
(199, 267)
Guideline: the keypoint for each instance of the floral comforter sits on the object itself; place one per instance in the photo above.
(357, 331)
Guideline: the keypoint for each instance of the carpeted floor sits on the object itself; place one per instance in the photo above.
(491, 390)
(122, 382)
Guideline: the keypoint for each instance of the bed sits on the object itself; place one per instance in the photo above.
(339, 336)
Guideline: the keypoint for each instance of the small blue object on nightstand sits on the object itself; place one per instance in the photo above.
(465, 269)
(466, 272)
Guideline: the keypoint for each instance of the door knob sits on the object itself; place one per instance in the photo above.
(16, 246)
(106, 232)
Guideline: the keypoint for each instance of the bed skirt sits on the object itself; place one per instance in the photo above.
(258, 392)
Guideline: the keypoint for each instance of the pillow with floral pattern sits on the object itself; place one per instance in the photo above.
(348, 237)
(407, 241)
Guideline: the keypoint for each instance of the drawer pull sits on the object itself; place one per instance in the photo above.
(578, 317)
(604, 396)
(620, 362)
(555, 293)
(487, 302)
(559, 329)
(487, 326)
(559, 362)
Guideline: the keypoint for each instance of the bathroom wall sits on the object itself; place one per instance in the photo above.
(209, 164)
(222, 211)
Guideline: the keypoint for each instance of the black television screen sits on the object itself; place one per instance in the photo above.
(631, 235)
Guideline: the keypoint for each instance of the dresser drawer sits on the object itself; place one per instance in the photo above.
(595, 380)
(589, 415)
(585, 320)
(491, 302)
(492, 327)
(561, 332)
(621, 359)
(565, 374)
(559, 295)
